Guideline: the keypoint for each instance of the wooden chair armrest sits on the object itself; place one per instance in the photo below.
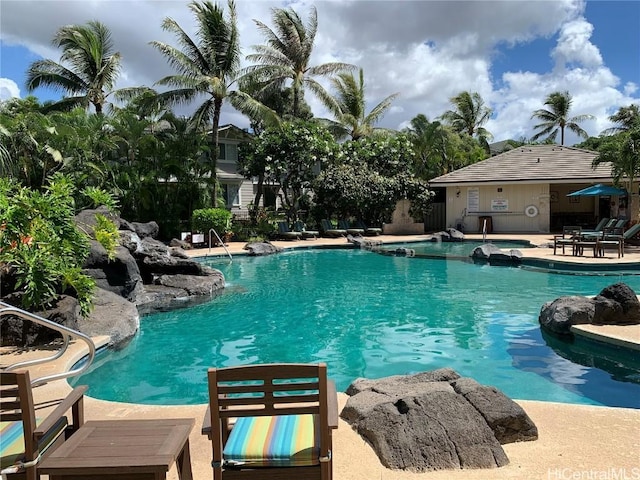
(206, 422)
(72, 401)
(332, 404)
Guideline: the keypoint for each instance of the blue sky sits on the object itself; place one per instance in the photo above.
(513, 53)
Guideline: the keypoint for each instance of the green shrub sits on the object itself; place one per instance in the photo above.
(43, 247)
(205, 219)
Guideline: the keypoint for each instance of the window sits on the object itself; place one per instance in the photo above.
(228, 152)
(222, 151)
(232, 194)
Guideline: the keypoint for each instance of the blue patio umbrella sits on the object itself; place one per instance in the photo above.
(598, 189)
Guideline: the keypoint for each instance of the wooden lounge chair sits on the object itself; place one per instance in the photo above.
(344, 225)
(284, 414)
(301, 228)
(25, 439)
(286, 234)
(570, 234)
(329, 230)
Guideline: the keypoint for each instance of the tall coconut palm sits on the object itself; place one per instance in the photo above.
(206, 66)
(469, 116)
(350, 110)
(625, 119)
(92, 72)
(286, 56)
(557, 118)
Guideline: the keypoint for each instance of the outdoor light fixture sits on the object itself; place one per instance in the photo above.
(458, 193)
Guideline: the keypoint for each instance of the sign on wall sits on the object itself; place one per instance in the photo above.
(473, 200)
(499, 205)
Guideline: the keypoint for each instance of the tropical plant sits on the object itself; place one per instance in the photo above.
(348, 107)
(206, 219)
(208, 66)
(622, 151)
(626, 118)
(439, 149)
(286, 55)
(289, 157)
(368, 177)
(40, 244)
(92, 72)
(556, 118)
(469, 116)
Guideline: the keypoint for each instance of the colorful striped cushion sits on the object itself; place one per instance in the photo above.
(278, 441)
(12, 441)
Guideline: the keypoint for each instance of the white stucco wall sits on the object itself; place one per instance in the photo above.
(505, 204)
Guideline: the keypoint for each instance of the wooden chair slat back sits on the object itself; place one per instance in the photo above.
(16, 403)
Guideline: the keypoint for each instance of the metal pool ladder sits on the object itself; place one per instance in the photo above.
(221, 243)
(67, 335)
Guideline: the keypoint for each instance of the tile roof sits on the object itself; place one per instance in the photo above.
(531, 164)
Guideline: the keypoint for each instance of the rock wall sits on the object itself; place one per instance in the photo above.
(144, 276)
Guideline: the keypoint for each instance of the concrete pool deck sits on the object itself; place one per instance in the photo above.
(575, 441)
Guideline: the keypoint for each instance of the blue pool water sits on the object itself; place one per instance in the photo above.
(371, 315)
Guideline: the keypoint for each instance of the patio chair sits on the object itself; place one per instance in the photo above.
(284, 415)
(570, 234)
(286, 234)
(25, 439)
(599, 229)
(373, 231)
(329, 230)
(301, 228)
(617, 228)
(344, 225)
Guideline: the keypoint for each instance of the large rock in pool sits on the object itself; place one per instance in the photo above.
(435, 420)
(616, 304)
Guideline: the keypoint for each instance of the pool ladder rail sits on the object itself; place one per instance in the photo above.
(212, 230)
(67, 335)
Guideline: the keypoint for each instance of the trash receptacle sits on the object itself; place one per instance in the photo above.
(481, 223)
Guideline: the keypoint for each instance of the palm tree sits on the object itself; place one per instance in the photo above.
(205, 67)
(349, 108)
(286, 56)
(626, 119)
(469, 115)
(623, 152)
(93, 68)
(557, 118)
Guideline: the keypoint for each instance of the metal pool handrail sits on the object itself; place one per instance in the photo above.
(67, 334)
(221, 242)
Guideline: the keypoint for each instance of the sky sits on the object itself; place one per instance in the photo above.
(513, 53)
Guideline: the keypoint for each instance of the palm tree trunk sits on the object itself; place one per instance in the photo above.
(217, 106)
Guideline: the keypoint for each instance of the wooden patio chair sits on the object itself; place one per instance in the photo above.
(284, 415)
(570, 234)
(25, 439)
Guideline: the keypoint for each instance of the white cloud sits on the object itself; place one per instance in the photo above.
(428, 51)
(8, 89)
(574, 46)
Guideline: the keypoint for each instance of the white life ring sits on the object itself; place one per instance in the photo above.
(531, 211)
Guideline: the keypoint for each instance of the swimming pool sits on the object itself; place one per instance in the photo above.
(366, 315)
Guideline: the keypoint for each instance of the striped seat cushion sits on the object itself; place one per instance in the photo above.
(12, 441)
(278, 441)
